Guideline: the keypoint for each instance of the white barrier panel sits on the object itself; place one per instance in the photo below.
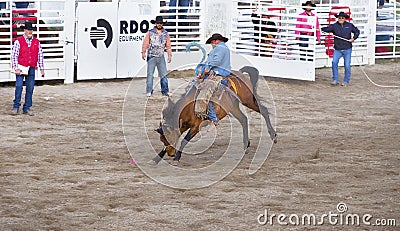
(133, 24)
(218, 17)
(97, 37)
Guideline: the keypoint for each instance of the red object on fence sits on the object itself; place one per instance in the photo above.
(24, 11)
(24, 18)
(27, 15)
(332, 19)
(280, 9)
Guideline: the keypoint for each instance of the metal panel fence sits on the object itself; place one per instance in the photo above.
(388, 30)
(48, 17)
(184, 23)
(198, 19)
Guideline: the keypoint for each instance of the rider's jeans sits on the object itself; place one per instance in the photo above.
(207, 89)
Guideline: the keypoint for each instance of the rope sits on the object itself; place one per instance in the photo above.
(370, 80)
(365, 74)
(378, 85)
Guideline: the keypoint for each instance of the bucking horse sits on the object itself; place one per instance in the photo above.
(180, 116)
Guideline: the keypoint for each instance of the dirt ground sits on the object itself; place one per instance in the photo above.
(67, 167)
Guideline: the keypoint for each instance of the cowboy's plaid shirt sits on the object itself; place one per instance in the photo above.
(15, 53)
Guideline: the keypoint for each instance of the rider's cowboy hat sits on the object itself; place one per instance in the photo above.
(217, 37)
(308, 3)
(28, 26)
(342, 14)
(159, 19)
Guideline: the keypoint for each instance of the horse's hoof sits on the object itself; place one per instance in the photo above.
(175, 163)
(275, 139)
(247, 146)
(152, 163)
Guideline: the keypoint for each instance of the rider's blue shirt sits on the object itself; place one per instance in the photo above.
(219, 59)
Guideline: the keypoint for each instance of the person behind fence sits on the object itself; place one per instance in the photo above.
(381, 3)
(216, 67)
(26, 54)
(174, 4)
(343, 43)
(304, 29)
(267, 28)
(156, 41)
(22, 5)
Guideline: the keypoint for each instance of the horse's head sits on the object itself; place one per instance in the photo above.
(169, 134)
(169, 137)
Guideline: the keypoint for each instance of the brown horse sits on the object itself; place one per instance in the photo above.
(180, 117)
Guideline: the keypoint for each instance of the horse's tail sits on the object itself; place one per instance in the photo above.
(254, 75)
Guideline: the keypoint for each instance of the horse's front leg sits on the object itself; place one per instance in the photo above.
(191, 133)
(159, 157)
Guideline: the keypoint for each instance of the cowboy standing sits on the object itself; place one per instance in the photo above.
(304, 29)
(343, 45)
(216, 67)
(156, 41)
(26, 52)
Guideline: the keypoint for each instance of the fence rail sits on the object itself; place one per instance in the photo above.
(47, 17)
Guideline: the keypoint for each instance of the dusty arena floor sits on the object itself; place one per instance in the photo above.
(68, 167)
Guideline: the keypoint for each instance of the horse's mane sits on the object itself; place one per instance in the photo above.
(172, 112)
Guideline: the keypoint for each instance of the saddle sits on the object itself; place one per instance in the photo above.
(231, 84)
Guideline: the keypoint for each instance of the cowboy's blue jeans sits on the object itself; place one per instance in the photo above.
(211, 112)
(30, 84)
(182, 12)
(152, 63)
(337, 54)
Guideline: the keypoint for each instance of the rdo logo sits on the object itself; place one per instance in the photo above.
(103, 31)
(133, 27)
(127, 30)
(133, 31)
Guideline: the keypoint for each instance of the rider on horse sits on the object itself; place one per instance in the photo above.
(215, 70)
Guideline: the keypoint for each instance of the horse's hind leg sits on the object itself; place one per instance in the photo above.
(242, 118)
(254, 103)
(264, 112)
(258, 107)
